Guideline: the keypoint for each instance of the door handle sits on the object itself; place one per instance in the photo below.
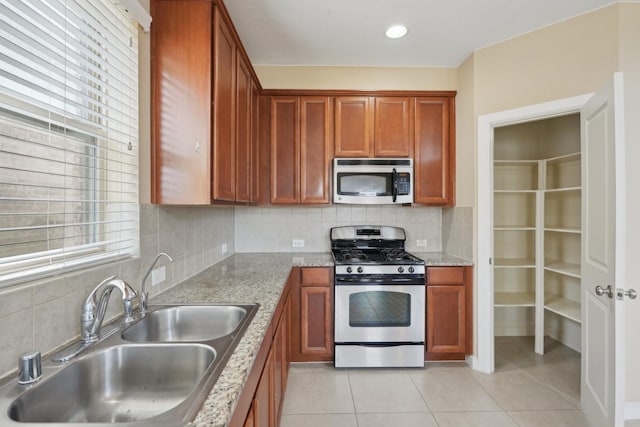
(621, 293)
(601, 291)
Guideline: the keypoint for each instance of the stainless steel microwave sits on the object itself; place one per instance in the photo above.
(373, 181)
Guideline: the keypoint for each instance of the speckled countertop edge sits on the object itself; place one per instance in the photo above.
(251, 278)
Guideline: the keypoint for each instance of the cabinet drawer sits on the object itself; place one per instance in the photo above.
(445, 276)
(320, 276)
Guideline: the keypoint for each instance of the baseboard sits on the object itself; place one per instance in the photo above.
(472, 361)
(632, 411)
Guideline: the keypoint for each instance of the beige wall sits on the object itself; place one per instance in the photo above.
(559, 61)
(356, 78)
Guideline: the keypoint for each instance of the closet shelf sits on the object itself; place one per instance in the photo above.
(514, 299)
(515, 228)
(563, 307)
(514, 262)
(562, 189)
(566, 268)
(562, 229)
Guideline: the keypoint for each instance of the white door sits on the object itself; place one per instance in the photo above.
(602, 256)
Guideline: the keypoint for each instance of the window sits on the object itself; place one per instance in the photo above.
(68, 136)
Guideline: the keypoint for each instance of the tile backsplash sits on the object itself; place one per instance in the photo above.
(273, 229)
(457, 232)
(45, 314)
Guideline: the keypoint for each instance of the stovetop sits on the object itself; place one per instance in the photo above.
(370, 249)
(381, 256)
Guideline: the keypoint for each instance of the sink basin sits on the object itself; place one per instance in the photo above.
(188, 323)
(120, 384)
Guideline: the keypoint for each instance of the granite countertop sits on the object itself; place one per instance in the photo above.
(251, 278)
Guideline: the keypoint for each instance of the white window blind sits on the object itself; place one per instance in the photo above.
(68, 136)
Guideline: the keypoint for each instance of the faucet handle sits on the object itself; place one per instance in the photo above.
(29, 367)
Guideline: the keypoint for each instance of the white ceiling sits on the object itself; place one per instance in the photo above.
(442, 33)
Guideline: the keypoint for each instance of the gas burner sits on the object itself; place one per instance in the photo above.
(397, 255)
(352, 255)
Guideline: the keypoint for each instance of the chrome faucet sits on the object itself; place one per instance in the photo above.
(95, 307)
(144, 295)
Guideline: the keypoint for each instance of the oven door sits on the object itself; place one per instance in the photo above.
(379, 313)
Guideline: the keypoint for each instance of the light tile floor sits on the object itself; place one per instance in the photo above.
(527, 390)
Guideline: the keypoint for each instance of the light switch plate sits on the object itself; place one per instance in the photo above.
(297, 243)
(225, 249)
(421, 243)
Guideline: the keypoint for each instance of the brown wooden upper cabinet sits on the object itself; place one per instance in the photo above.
(373, 126)
(434, 156)
(202, 107)
(300, 150)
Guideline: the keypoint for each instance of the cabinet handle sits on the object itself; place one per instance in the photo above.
(601, 291)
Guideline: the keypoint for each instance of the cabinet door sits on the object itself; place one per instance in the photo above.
(316, 332)
(255, 143)
(243, 131)
(392, 123)
(224, 109)
(352, 126)
(312, 315)
(446, 319)
(263, 409)
(434, 151)
(249, 421)
(315, 150)
(285, 167)
(281, 362)
(449, 313)
(181, 119)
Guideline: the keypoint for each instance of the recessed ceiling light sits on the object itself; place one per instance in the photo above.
(396, 31)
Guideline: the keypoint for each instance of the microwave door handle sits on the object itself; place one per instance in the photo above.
(395, 185)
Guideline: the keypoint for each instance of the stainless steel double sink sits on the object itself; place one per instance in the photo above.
(156, 371)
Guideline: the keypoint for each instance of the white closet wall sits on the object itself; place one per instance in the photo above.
(537, 225)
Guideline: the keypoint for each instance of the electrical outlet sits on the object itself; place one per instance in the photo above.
(224, 248)
(158, 275)
(421, 242)
(297, 243)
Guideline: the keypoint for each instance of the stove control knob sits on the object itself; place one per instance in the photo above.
(360, 269)
(400, 270)
(349, 269)
(411, 269)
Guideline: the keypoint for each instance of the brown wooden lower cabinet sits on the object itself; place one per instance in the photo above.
(260, 402)
(263, 402)
(249, 422)
(312, 314)
(449, 325)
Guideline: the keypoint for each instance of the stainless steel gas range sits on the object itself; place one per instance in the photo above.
(379, 318)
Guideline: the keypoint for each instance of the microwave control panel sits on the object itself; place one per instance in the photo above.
(404, 183)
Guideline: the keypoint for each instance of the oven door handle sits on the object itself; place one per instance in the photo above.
(383, 344)
(357, 280)
(395, 185)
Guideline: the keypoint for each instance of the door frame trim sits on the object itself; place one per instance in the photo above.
(485, 360)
